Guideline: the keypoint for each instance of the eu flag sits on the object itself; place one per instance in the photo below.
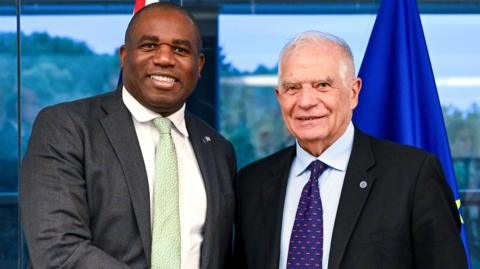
(399, 100)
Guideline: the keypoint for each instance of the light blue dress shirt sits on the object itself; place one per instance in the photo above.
(330, 184)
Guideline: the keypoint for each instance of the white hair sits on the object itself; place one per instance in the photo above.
(317, 37)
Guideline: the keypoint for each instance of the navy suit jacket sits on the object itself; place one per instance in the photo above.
(405, 218)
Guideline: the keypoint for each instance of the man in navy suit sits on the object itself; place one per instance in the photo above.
(87, 179)
(339, 198)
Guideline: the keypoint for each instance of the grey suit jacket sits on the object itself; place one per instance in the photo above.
(84, 195)
(404, 217)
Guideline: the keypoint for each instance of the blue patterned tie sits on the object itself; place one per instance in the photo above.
(306, 242)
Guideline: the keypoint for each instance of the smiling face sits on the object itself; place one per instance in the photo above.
(161, 60)
(317, 93)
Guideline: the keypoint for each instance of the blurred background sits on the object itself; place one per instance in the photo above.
(57, 51)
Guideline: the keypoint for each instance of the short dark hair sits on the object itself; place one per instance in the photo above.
(165, 6)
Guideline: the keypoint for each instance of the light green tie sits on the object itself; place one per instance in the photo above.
(166, 216)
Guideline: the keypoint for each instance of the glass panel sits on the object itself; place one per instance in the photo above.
(9, 235)
(66, 58)
(453, 48)
(251, 119)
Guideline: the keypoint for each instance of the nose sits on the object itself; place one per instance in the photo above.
(164, 56)
(307, 97)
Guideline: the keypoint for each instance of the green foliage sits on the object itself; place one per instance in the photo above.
(60, 77)
(264, 70)
(251, 119)
(8, 43)
(463, 128)
(53, 70)
(7, 78)
(226, 69)
(250, 116)
(43, 43)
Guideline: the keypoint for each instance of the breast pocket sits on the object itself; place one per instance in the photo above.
(359, 238)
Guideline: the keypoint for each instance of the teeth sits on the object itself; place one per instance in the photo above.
(162, 78)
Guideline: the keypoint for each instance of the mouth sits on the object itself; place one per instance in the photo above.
(163, 81)
(309, 118)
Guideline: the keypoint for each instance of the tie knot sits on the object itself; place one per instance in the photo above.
(316, 169)
(164, 125)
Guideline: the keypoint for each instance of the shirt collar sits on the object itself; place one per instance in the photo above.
(336, 156)
(145, 115)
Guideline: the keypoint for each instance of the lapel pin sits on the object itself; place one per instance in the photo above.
(206, 139)
(363, 184)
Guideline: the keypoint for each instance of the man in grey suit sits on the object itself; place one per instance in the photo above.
(89, 177)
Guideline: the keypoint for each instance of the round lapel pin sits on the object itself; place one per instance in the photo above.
(363, 184)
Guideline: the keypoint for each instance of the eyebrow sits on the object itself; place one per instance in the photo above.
(182, 42)
(176, 42)
(328, 79)
(148, 38)
(290, 83)
(296, 82)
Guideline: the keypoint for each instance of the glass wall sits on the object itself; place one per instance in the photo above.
(9, 228)
(69, 51)
(66, 58)
(63, 58)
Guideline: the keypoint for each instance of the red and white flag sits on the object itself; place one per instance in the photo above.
(141, 3)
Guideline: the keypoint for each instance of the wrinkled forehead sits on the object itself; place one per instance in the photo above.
(310, 54)
(313, 55)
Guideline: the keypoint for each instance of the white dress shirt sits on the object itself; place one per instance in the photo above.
(192, 195)
(330, 184)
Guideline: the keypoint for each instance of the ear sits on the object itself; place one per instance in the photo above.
(277, 92)
(123, 55)
(201, 62)
(355, 88)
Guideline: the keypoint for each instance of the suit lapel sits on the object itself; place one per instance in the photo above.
(273, 197)
(202, 146)
(120, 131)
(353, 197)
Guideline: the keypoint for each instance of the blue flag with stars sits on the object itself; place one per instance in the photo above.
(399, 100)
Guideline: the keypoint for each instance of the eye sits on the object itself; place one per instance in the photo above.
(148, 46)
(291, 89)
(321, 85)
(180, 50)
